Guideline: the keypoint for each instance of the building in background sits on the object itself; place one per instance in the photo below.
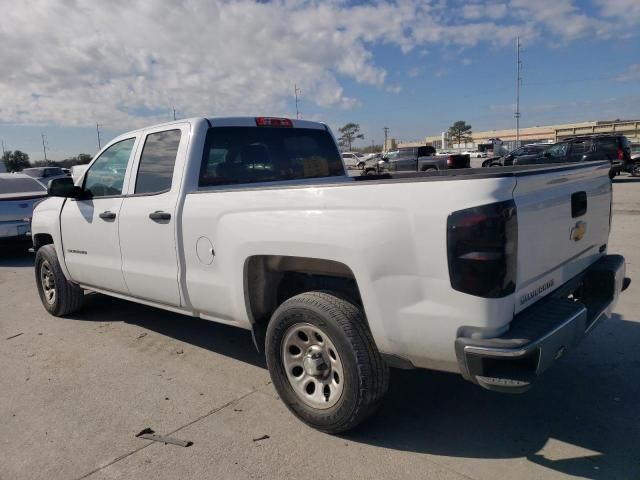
(540, 134)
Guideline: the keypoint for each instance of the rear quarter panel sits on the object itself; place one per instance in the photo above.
(392, 235)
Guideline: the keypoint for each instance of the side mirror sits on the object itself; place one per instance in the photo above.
(63, 187)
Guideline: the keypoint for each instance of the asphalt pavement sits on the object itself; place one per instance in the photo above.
(74, 393)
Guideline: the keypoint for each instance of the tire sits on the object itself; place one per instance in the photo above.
(58, 296)
(429, 169)
(350, 377)
(635, 169)
(370, 171)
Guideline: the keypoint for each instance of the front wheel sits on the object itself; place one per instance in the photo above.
(323, 361)
(59, 296)
(635, 169)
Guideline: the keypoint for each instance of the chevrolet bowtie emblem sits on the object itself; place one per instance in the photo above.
(578, 231)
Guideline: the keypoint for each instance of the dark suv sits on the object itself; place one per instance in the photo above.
(615, 148)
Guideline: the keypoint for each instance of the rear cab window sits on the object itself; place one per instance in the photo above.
(244, 155)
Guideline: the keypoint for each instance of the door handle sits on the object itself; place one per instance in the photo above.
(107, 215)
(578, 204)
(159, 215)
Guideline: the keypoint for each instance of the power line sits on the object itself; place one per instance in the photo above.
(296, 91)
(44, 145)
(98, 132)
(518, 81)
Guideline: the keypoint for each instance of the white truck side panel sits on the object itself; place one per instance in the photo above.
(392, 236)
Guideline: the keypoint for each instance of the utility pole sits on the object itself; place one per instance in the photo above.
(44, 146)
(3, 150)
(174, 113)
(98, 132)
(386, 131)
(518, 81)
(296, 91)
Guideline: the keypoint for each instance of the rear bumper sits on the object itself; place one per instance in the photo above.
(544, 332)
(15, 229)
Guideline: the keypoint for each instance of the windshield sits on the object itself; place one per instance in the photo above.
(33, 172)
(19, 185)
(558, 150)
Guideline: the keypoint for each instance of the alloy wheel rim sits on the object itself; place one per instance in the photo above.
(48, 283)
(313, 366)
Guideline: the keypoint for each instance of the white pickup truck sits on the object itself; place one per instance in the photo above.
(252, 222)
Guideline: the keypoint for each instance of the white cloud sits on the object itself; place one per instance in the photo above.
(631, 74)
(466, 61)
(127, 62)
(395, 88)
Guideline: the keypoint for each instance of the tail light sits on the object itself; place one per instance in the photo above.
(482, 249)
(273, 122)
(450, 161)
(620, 154)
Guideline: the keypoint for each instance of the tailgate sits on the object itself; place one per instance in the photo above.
(563, 224)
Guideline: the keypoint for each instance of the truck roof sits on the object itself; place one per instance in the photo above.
(234, 122)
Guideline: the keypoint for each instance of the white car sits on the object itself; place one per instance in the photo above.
(253, 222)
(19, 194)
(475, 154)
(353, 159)
(45, 174)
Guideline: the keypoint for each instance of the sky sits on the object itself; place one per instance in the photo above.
(414, 66)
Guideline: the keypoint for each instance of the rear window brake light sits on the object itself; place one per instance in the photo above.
(273, 122)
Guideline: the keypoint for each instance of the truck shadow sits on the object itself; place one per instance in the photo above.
(16, 255)
(223, 339)
(626, 180)
(585, 408)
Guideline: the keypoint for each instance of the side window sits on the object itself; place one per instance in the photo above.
(106, 175)
(157, 161)
(558, 150)
(580, 148)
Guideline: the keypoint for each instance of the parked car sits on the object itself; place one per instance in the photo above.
(417, 159)
(77, 171)
(525, 155)
(612, 147)
(19, 194)
(45, 174)
(253, 222)
(353, 159)
(475, 154)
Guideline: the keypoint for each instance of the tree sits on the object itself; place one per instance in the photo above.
(460, 132)
(15, 161)
(348, 134)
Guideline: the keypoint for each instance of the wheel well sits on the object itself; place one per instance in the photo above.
(41, 239)
(272, 279)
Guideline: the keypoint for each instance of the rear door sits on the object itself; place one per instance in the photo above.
(148, 218)
(563, 226)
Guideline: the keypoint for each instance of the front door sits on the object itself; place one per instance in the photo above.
(89, 226)
(148, 218)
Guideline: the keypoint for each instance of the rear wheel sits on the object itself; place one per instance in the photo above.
(323, 361)
(635, 169)
(59, 296)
